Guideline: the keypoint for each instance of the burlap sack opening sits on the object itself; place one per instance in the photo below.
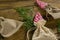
(9, 26)
(53, 11)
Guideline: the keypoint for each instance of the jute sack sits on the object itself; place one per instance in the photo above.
(42, 32)
(9, 26)
(52, 10)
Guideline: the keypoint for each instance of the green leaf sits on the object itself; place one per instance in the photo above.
(26, 13)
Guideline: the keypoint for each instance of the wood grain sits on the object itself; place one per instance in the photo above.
(7, 11)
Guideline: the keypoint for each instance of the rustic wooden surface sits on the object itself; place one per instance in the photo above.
(7, 11)
(9, 5)
(18, 3)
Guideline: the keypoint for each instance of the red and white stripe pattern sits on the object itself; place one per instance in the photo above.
(37, 17)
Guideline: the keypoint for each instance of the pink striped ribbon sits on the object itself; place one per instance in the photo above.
(37, 17)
